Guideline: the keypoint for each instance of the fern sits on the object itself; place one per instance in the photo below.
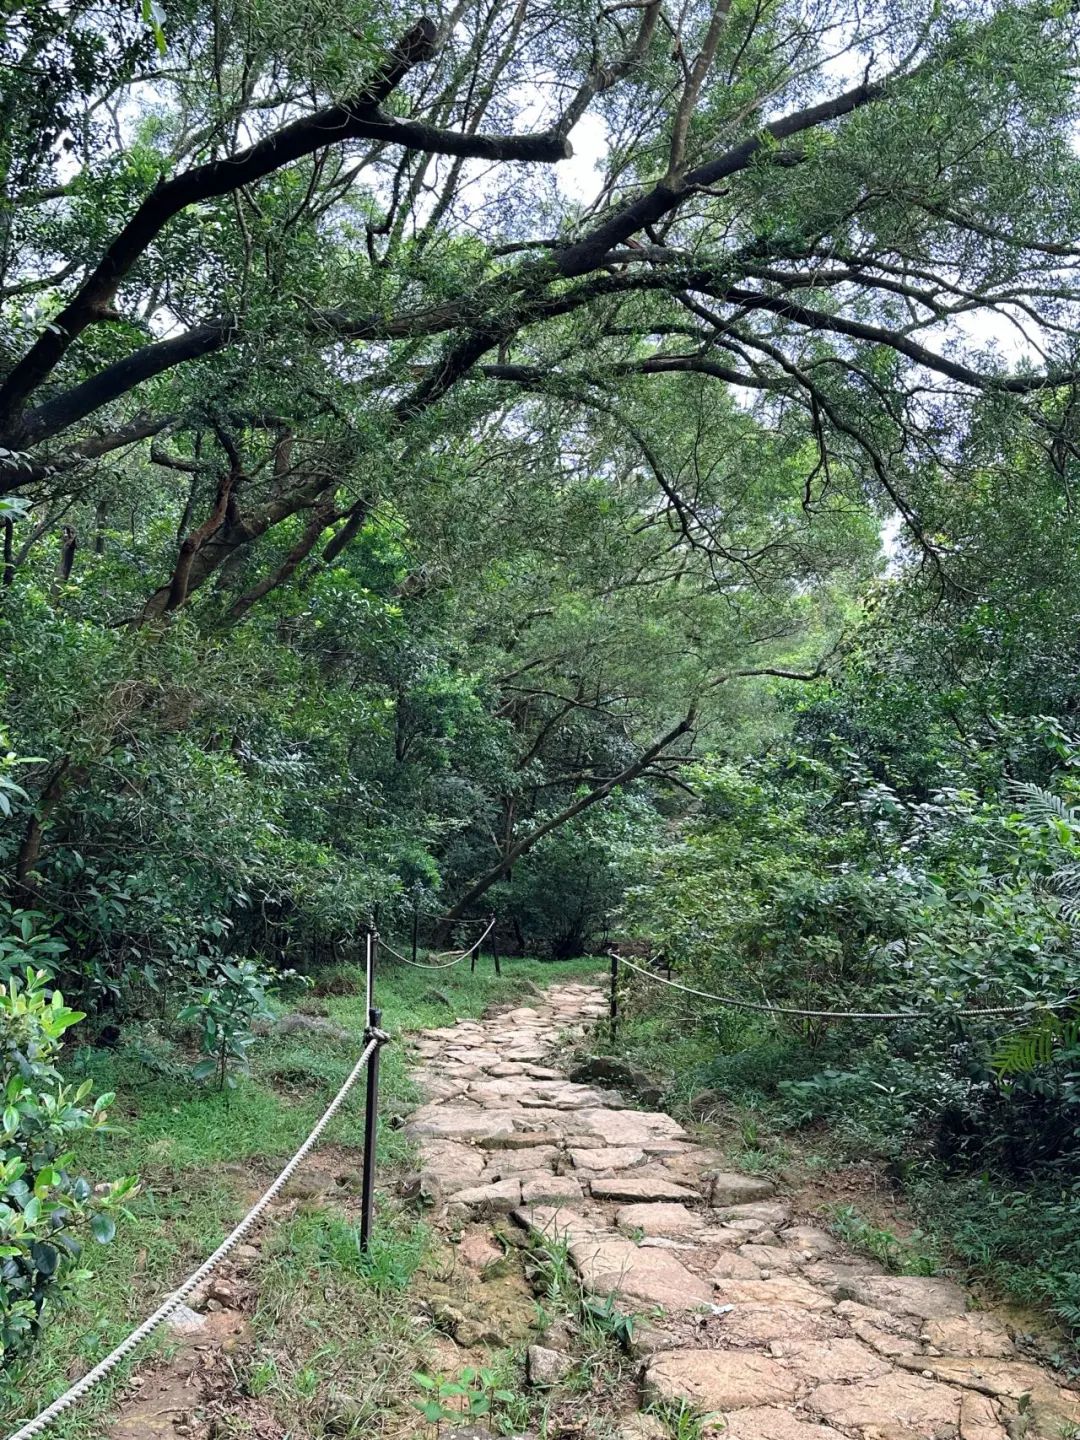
(1036, 1044)
(1043, 807)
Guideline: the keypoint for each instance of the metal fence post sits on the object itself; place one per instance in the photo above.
(613, 1006)
(415, 926)
(495, 948)
(371, 1109)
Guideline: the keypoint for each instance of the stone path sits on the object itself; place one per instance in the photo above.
(746, 1312)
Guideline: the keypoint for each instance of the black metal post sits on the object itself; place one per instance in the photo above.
(371, 1109)
(495, 948)
(613, 1007)
(415, 926)
(472, 961)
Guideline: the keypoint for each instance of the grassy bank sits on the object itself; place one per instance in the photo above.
(203, 1156)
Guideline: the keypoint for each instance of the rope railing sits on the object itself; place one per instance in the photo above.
(445, 964)
(767, 1008)
(374, 1038)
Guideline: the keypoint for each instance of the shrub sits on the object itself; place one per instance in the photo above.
(45, 1209)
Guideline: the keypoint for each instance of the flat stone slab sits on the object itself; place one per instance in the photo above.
(662, 1219)
(602, 1159)
(507, 1137)
(829, 1361)
(1003, 1379)
(767, 1422)
(450, 1165)
(762, 1324)
(781, 1291)
(626, 1187)
(767, 1214)
(974, 1334)
(718, 1380)
(610, 1265)
(458, 1122)
(551, 1190)
(910, 1295)
(636, 1128)
(908, 1403)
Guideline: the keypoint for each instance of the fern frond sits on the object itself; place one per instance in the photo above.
(1043, 806)
(1021, 1052)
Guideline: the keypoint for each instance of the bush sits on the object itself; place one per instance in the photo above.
(45, 1209)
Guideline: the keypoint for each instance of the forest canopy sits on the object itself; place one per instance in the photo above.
(605, 465)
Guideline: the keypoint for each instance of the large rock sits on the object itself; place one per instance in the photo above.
(732, 1189)
(629, 1188)
(909, 1295)
(520, 1162)
(718, 1380)
(609, 1265)
(910, 1405)
(979, 1418)
(670, 1219)
(1003, 1379)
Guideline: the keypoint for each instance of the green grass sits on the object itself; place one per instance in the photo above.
(203, 1156)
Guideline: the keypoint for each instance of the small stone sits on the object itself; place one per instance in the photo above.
(731, 1189)
(480, 1200)
(641, 1427)
(185, 1321)
(545, 1367)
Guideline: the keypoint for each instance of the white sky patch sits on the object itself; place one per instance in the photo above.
(581, 177)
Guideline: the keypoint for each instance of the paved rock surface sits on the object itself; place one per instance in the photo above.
(746, 1311)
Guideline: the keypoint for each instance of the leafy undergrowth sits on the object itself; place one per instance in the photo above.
(326, 1318)
(1018, 1238)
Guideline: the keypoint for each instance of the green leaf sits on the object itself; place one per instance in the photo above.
(103, 1227)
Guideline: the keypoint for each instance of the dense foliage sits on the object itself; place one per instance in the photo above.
(47, 1210)
(395, 510)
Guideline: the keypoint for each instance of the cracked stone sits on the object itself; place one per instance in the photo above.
(613, 1266)
(767, 1422)
(912, 1405)
(974, 1334)
(732, 1189)
(712, 1380)
(781, 1291)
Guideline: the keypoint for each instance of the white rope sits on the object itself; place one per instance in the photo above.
(446, 964)
(768, 1009)
(165, 1309)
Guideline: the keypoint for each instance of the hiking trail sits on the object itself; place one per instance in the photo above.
(747, 1311)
